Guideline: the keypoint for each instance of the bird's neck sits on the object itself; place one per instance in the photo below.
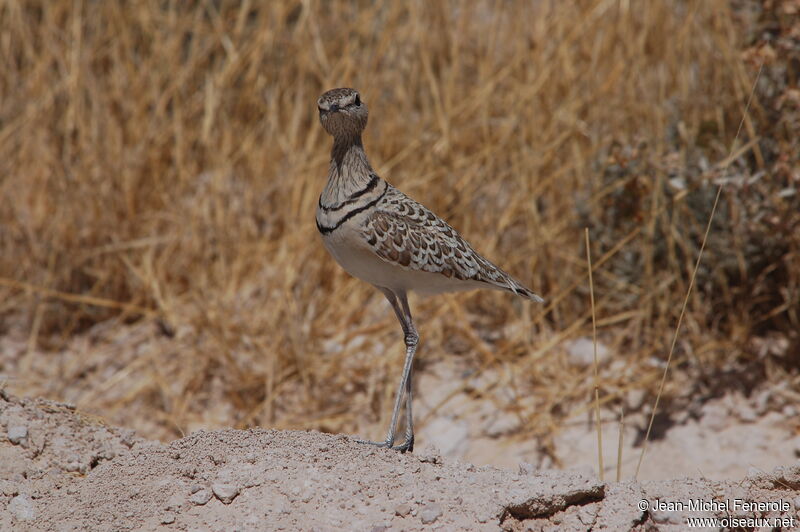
(349, 172)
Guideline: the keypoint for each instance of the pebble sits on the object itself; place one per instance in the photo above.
(76, 467)
(200, 497)
(174, 502)
(402, 510)
(225, 492)
(127, 437)
(168, 518)
(17, 434)
(21, 507)
(430, 513)
(430, 455)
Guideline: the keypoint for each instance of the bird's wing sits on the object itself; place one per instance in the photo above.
(405, 233)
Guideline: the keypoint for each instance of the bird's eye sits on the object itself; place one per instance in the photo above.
(357, 101)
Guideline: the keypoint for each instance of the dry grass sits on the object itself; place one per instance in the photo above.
(161, 163)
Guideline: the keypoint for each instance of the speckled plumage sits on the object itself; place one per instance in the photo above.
(405, 233)
(380, 235)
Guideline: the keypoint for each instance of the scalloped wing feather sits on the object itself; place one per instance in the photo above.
(405, 233)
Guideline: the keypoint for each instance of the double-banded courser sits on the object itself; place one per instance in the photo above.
(380, 235)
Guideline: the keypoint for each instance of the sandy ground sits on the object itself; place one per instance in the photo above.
(723, 438)
(63, 470)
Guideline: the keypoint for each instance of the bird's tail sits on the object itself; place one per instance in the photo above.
(497, 278)
(515, 287)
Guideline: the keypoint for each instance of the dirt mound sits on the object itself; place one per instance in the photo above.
(65, 471)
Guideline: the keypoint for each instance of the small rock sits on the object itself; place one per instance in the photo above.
(431, 455)
(18, 434)
(127, 437)
(379, 528)
(225, 492)
(21, 507)
(402, 510)
(75, 467)
(580, 352)
(430, 513)
(174, 502)
(168, 518)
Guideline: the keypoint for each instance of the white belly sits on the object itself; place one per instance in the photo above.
(352, 252)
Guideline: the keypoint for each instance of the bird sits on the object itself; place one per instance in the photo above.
(381, 236)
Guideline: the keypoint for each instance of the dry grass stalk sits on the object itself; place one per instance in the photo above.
(621, 433)
(598, 424)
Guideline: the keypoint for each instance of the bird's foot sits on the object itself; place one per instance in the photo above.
(406, 446)
(384, 444)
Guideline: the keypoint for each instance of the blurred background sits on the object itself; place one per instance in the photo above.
(160, 164)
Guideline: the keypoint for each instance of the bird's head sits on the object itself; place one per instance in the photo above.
(342, 113)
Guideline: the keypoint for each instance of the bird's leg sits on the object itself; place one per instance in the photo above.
(411, 339)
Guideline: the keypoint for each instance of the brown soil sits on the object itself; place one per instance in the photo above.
(63, 470)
